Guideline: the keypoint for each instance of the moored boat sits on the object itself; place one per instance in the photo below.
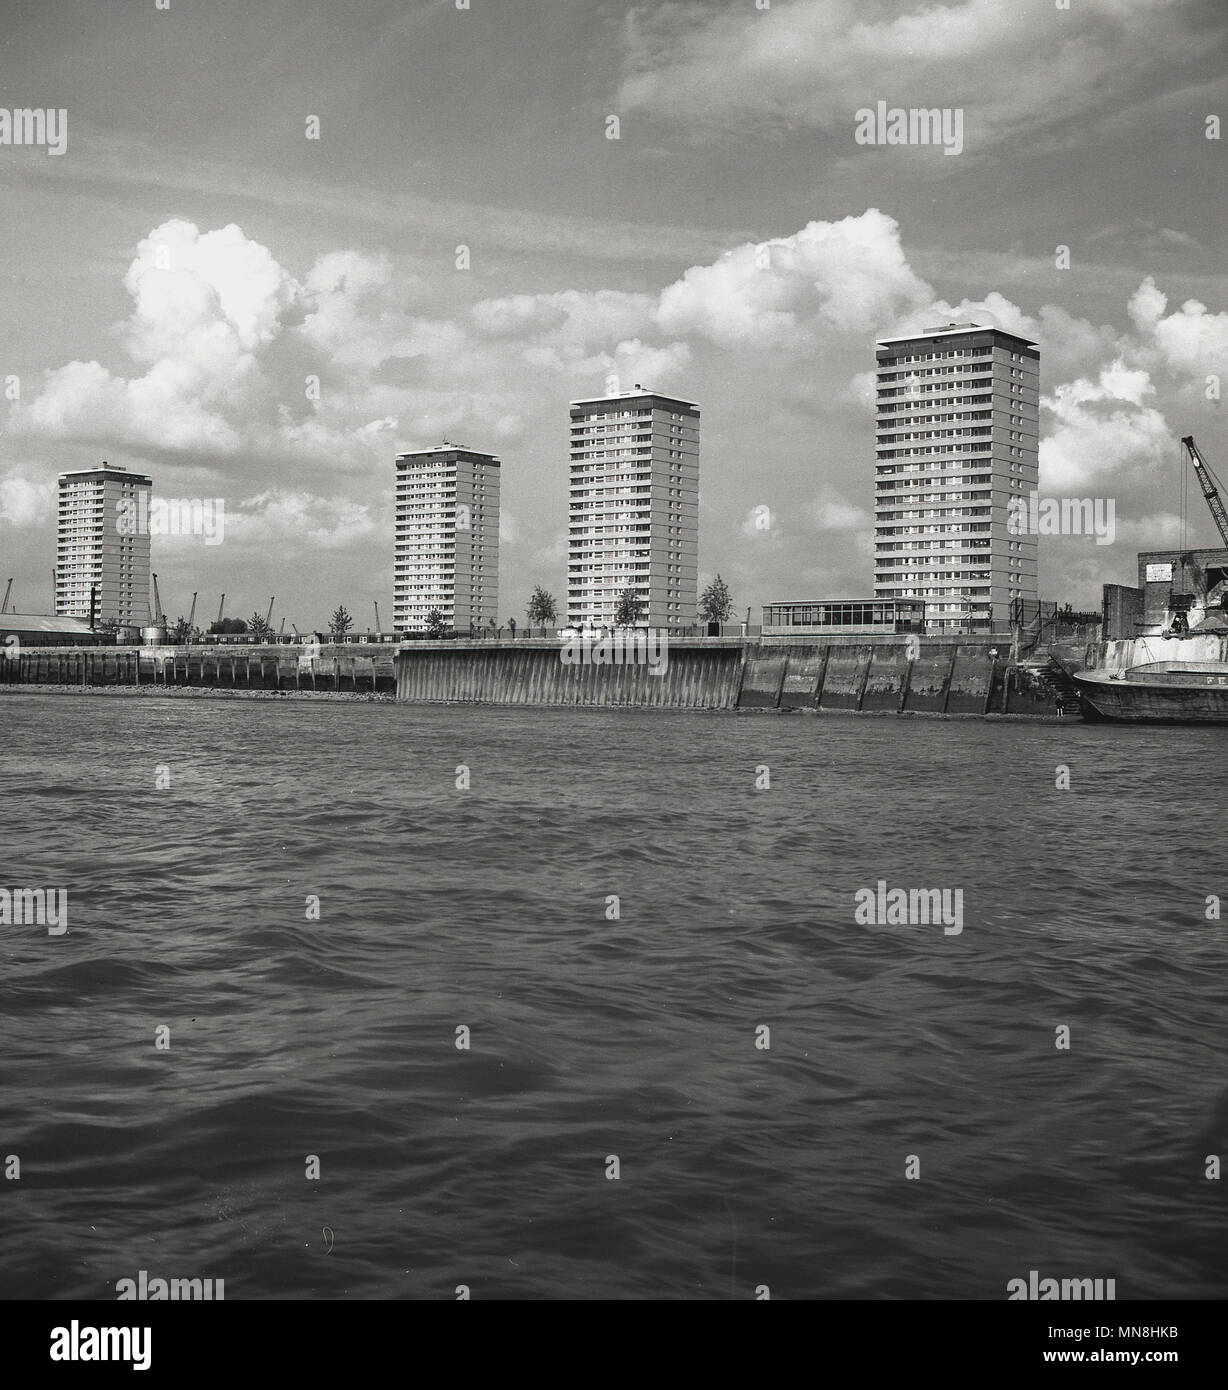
(1157, 692)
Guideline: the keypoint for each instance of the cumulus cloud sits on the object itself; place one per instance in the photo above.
(1102, 431)
(205, 309)
(239, 363)
(849, 276)
(24, 502)
(1189, 342)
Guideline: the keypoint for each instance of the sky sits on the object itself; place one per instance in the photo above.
(199, 288)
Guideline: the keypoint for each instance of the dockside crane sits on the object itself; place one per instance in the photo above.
(220, 607)
(192, 611)
(8, 589)
(268, 617)
(158, 615)
(1207, 481)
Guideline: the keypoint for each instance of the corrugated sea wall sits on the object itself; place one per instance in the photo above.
(891, 676)
(695, 674)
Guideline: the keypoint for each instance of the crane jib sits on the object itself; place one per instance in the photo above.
(1207, 481)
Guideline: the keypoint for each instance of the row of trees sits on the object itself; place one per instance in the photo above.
(257, 627)
(715, 606)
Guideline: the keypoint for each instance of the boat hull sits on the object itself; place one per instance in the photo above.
(1138, 702)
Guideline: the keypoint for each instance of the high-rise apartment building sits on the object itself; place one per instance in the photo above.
(99, 548)
(958, 431)
(633, 510)
(447, 538)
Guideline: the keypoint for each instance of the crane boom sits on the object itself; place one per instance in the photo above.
(157, 617)
(268, 617)
(1207, 481)
(192, 613)
(8, 589)
(220, 607)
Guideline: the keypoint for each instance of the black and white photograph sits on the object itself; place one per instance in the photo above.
(613, 664)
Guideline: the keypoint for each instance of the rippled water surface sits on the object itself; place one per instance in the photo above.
(487, 908)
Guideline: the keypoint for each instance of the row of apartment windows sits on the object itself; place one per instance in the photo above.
(981, 350)
(961, 550)
(930, 530)
(929, 449)
(919, 515)
(894, 437)
(976, 377)
(914, 470)
(890, 407)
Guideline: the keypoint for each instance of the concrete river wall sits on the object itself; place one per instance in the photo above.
(697, 673)
(872, 675)
(869, 675)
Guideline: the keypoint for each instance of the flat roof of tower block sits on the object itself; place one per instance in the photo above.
(448, 448)
(950, 329)
(639, 393)
(105, 467)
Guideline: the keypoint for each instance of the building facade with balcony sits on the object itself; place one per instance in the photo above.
(958, 429)
(99, 549)
(447, 539)
(633, 508)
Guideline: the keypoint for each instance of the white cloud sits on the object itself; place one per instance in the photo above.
(834, 514)
(815, 62)
(1190, 341)
(1101, 432)
(25, 503)
(849, 276)
(314, 523)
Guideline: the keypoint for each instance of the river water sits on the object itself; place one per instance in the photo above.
(193, 839)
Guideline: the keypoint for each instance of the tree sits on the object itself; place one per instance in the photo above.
(339, 624)
(542, 609)
(227, 625)
(260, 630)
(181, 633)
(436, 624)
(630, 609)
(715, 604)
